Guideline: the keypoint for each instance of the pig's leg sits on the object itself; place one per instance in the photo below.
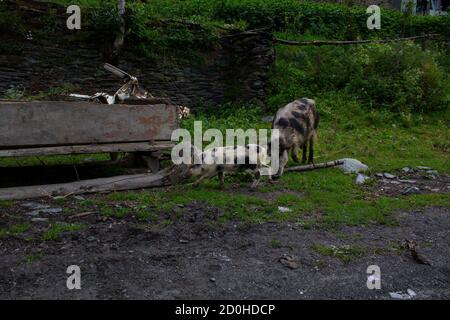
(221, 178)
(256, 180)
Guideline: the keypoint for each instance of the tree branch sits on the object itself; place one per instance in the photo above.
(348, 42)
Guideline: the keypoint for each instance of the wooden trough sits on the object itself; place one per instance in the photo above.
(62, 128)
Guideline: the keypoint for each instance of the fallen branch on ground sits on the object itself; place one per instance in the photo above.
(349, 42)
(118, 183)
(313, 166)
(163, 178)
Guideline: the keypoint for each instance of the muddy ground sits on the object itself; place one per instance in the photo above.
(197, 258)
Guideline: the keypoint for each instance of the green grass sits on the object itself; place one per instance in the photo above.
(275, 243)
(344, 253)
(56, 229)
(29, 259)
(6, 204)
(119, 205)
(52, 160)
(349, 127)
(380, 139)
(16, 229)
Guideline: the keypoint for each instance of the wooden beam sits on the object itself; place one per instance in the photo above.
(118, 183)
(309, 167)
(57, 123)
(328, 42)
(90, 148)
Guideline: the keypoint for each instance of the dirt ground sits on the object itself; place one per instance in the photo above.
(195, 258)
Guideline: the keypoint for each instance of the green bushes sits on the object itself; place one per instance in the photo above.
(302, 17)
(398, 77)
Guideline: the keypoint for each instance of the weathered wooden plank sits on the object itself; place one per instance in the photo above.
(46, 123)
(83, 149)
(117, 183)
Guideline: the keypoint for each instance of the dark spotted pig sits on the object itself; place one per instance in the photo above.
(297, 124)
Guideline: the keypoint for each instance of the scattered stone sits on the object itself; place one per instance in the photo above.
(411, 190)
(407, 169)
(416, 254)
(51, 211)
(431, 176)
(39, 220)
(423, 168)
(390, 181)
(284, 209)
(184, 241)
(433, 172)
(389, 175)
(379, 175)
(33, 213)
(267, 119)
(361, 179)
(80, 198)
(411, 293)
(212, 279)
(399, 295)
(289, 261)
(407, 181)
(34, 205)
(91, 238)
(353, 166)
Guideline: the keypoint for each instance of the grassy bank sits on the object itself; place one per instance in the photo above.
(386, 105)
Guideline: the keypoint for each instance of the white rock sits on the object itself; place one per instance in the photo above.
(411, 190)
(423, 168)
(406, 169)
(34, 205)
(407, 181)
(352, 166)
(411, 293)
(361, 179)
(39, 220)
(267, 118)
(284, 209)
(388, 175)
(399, 295)
(45, 210)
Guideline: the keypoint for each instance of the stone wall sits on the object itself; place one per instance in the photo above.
(237, 68)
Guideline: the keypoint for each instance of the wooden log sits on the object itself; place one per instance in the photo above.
(313, 166)
(90, 148)
(57, 123)
(118, 183)
(353, 42)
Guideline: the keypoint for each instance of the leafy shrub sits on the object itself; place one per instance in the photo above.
(399, 77)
